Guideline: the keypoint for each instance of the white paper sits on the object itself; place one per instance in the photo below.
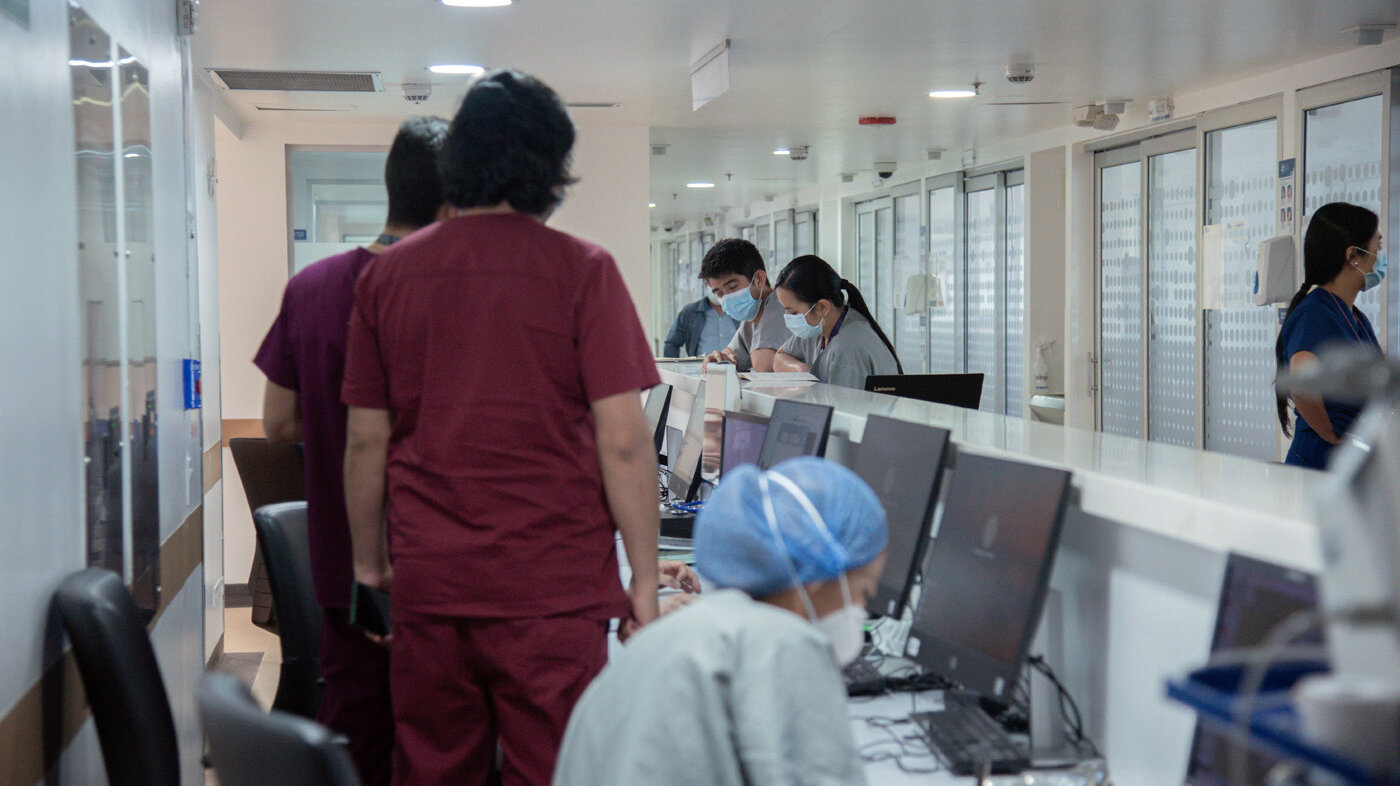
(778, 377)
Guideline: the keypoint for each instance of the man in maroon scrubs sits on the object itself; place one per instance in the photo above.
(303, 357)
(497, 436)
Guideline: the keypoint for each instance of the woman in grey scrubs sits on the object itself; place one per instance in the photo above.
(833, 333)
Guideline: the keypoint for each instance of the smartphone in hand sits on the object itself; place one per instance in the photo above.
(369, 609)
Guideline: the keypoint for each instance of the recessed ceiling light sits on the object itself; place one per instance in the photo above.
(476, 3)
(651, 204)
(782, 151)
(952, 93)
(699, 185)
(457, 68)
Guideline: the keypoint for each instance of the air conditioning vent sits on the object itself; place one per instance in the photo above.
(593, 104)
(334, 108)
(310, 81)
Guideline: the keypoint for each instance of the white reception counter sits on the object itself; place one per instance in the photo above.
(1141, 560)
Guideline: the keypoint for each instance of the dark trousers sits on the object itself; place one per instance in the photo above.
(356, 700)
(461, 685)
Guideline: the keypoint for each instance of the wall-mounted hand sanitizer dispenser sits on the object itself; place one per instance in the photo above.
(1276, 279)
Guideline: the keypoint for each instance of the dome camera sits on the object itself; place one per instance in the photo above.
(885, 169)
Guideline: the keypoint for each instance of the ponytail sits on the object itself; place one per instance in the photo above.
(855, 301)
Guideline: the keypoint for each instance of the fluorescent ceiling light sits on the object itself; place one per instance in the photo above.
(952, 93)
(476, 3)
(651, 204)
(699, 185)
(457, 68)
(782, 151)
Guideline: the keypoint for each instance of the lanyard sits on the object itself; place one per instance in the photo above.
(1352, 321)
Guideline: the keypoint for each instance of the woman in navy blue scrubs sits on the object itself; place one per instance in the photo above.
(1342, 257)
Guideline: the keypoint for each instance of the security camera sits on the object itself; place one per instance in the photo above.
(416, 93)
(885, 169)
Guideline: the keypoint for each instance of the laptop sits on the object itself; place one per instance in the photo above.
(796, 428)
(959, 390)
(985, 581)
(1254, 598)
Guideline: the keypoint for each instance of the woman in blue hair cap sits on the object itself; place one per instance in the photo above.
(744, 686)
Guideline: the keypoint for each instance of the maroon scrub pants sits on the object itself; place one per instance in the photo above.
(460, 685)
(356, 701)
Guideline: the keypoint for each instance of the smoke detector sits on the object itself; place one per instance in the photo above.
(416, 93)
(1020, 73)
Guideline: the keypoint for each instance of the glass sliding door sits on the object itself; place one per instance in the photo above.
(1241, 179)
(1014, 294)
(1172, 355)
(804, 233)
(782, 238)
(910, 305)
(981, 334)
(944, 280)
(875, 258)
(1120, 294)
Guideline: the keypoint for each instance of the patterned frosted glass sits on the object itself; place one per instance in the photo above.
(1171, 298)
(680, 270)
(982, 294)
(763, 238)
(910, 310)
(865, 255)
(943, 283)
(1015, 297)
(883, 305)
(805, 241)
(1343, 162)
(782, 240)
(1120, 291)
(1241, 179)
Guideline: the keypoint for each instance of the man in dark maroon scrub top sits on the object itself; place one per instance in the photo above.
(303, 357)
(496, 435)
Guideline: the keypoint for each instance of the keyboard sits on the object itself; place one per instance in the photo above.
(862, 678)
(965, 738)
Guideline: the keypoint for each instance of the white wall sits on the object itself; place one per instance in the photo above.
(41, 459)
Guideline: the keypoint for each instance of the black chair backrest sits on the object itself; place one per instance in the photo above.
(286, 550)
(121, 678)
(249, 747)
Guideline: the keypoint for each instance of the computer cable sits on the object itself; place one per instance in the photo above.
(906, 746)
(1069, 709)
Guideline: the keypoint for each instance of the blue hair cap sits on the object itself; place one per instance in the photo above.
(737, 546)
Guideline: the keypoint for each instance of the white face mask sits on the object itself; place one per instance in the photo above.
(843, 628)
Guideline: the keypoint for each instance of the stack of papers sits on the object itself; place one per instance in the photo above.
(777, 377)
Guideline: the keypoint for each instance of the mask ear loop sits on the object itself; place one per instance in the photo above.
(772, 517)
(816, 517)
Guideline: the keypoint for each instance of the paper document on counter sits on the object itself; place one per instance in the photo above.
(777, 377)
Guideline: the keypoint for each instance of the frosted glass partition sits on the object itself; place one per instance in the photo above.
(943, 280)
(1120, 293)
(1171, 300)
(763, 238)
(865, 254)
(883, 305)
(1241, 176)
(805, 233)
(982, 293)
(782, 240)
(911, 287)
(1342, 163)
(1015, 339)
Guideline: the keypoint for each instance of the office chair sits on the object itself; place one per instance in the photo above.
(122, 680)
(249, 747)
(271, 472)
(286, 550)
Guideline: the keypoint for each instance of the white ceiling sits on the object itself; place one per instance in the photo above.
(801, 72)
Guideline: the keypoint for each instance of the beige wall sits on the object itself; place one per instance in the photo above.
(607, 206)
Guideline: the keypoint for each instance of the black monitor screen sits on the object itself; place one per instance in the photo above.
(686, 471)
(1255, 598)
(743, 439)
(987, 570)
(959, 390)
(903, 463)
(657, 406)
(796, 429)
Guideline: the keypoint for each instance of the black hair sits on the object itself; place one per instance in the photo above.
(810, 279)
(510, 142)
(411, 172)
(1334, 228)
(731, 255)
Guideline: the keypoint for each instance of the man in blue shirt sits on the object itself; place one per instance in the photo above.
(701, 328)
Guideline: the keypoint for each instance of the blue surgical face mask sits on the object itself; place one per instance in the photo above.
(741, 304)
(1377, 274)
(798, 325)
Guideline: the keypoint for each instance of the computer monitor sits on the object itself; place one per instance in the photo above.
(987, 571)
(658, 405)
(959, 390)
(743, 439)
(796, 429)
(903, 463)
(685, 473)
(1254, 598)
